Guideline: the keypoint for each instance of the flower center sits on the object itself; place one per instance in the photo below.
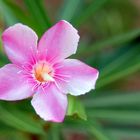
(43, 72)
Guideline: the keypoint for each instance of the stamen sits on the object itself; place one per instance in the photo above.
(47, 77)
(43, 72)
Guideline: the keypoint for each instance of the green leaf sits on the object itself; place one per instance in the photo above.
(96, 130)
(133, 67)
(9, 17)
(86, 13)
(12, 135)
(117, 40)
(20, 120)
(75, 108)
(3, 58)
(90, 126)
(22, 15)
(68, 9)
(43, 12)
(18, 11)
(114, 41)
(118, 62)
(55, 132)
(38, 13)
(124, 133)
(113, 99)
(116, 116)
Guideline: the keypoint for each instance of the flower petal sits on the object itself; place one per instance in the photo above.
(20, 43)
(50, 104)
(12, 85)
(75, 77)
(58, 42)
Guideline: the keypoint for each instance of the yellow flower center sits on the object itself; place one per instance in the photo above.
(43, 72)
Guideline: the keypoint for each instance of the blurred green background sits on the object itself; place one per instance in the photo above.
(110, 41)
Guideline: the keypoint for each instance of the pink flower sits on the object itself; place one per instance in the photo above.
(42, 69)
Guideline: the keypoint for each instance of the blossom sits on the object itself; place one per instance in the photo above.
(41, 70)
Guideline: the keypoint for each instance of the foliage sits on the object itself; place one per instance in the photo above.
(110, 42)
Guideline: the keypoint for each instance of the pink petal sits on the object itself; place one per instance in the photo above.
(58, 42)
(12, 85)
(50, 104)
(20, 44)
(75, 77)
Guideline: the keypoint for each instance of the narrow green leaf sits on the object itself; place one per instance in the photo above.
(85, 14)
(113, 42)
(118, 39)
(114, 98)
(68, 9)
(75, 108)
(43, 12)
(119, 62)
(3, 59)
(132, 68)
(98, 133)
(36, 11)
(90, 126)
(126, 133)
(20, 14)
(96, 130)
(118, 116)
(20, 120)
(7, 13)
(12, 135)
(55, 131)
